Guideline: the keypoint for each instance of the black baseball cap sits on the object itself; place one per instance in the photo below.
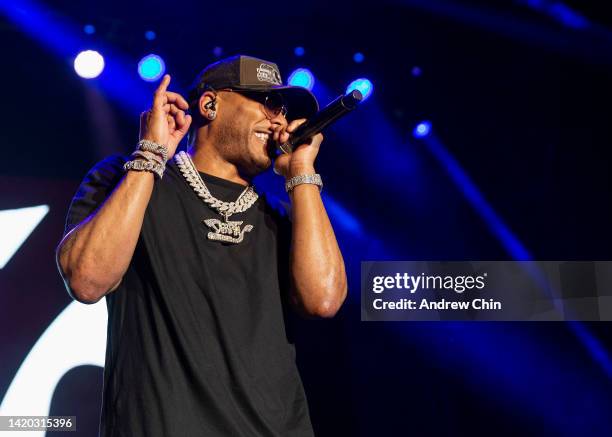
(245, 73)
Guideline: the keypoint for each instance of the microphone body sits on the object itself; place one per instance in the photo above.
(332, 112)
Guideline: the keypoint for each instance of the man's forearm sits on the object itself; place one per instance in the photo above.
(317, 267)
(95, 255)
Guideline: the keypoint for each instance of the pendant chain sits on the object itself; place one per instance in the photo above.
(188, 169)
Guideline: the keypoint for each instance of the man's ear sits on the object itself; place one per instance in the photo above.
(207, 103)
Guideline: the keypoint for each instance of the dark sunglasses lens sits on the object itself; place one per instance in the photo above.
(274, 103)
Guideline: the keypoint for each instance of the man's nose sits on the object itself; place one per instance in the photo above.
(279, 120)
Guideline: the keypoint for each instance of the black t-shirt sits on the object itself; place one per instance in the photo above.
(197, 344)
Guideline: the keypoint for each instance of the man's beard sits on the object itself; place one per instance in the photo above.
(234, 144)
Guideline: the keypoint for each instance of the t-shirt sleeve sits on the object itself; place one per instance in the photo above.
(95, 188)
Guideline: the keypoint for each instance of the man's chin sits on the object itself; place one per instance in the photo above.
(259, 165)
(264, 164)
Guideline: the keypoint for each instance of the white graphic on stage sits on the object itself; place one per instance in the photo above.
(16, 225)
(77, 337)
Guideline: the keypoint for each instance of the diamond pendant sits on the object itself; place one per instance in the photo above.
(227, 231)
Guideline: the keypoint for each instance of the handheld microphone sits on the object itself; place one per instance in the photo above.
(332, 112)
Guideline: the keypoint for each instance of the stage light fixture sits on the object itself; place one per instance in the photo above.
(358, 57)
(302, 77)
(151, 68)
(150, 35)
(299, 51)
(89, 29)
(363, 85)
(422, 129)
(89, 64)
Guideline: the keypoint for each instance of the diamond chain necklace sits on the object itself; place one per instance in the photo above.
(226, 231)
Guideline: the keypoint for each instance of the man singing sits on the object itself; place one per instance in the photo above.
(197, 267)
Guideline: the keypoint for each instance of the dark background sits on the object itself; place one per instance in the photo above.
(518, 92)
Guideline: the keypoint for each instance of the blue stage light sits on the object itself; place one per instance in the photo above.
(89, 64)
(416, 71)
(358, 57)
(151, 68)
(364, 85)
(422, 129)
(299, 51)
(218, 51)
(150, 35)
(89, 29)
(302, 77)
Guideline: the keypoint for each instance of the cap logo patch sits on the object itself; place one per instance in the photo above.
(267, 73)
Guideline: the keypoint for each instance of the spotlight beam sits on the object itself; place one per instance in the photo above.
(516, 249)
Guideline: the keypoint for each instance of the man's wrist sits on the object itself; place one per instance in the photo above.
(298, 170)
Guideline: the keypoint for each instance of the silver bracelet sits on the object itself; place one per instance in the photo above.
(151, 146)
(148, 156)
(142, 165)
(314, 179)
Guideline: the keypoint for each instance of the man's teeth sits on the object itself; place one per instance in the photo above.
(262, 136)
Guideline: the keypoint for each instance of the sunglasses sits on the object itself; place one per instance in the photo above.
(272, 102)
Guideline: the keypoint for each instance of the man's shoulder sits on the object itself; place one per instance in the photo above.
(95, 187)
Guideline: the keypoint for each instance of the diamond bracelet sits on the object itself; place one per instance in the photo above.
(151, 146)
(148, 156)
(142, 165)
(314, 179)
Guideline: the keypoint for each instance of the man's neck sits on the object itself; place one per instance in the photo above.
(207, 160)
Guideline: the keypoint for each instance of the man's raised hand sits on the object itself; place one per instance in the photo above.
(165, 123)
